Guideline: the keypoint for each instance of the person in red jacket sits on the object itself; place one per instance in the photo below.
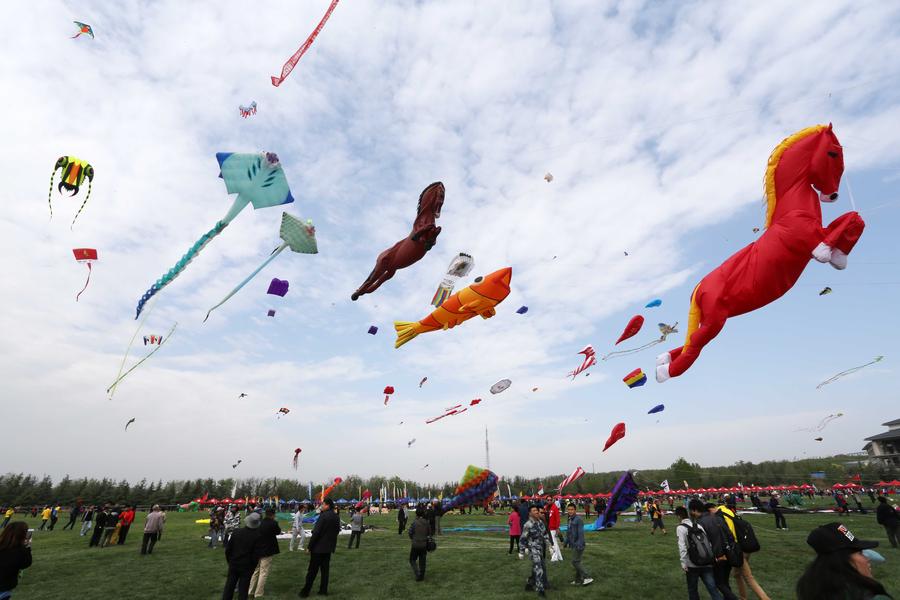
(125, 519)
(515, 528)
(553, 525)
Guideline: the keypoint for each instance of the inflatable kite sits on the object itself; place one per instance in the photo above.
(653, 303)
(111, 390)
(459, 267)
(522, 310)
(577, 474)
(849, 371)
(656, 409)
(633, 327)
(803, 170)
(292, 61)
(501, 386)
(257, 179)
(85, 256)
(424, 379)
(636, 378)
(74, 172)
(296, 461)
(373, 329)
(623, 495)
(388, 390)
(246, 111)
(300, 237)
(590, 360)
(476, 487)
(480, 298)
(617, 433)
(130, 421)
(665, 330)
(83, 28)
(825, 291)
(412, 248)
(330, 488)
(818, 439)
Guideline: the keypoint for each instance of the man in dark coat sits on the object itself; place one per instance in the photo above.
(99, 524)
(241, 554)
(321, 545)
(266, 548)
(719, 536)
(888, 518)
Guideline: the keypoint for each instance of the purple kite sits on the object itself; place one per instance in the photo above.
(278, 287)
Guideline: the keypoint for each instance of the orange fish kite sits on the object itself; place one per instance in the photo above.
(480, 298)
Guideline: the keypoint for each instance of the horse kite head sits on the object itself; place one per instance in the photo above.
(430, 202)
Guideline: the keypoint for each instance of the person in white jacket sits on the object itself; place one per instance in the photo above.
(297, 530)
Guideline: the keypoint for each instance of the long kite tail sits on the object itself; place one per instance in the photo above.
(848, 372)
(81, 208)
(78, 295)
(138, 363)
(50, 194)
(245, 281)
(634, 350)
(292, 61)
(179, 266)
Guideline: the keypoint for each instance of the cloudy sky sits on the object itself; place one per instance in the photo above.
(656, 122)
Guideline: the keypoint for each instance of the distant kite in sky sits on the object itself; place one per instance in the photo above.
(296, 461)
(243, 395)
(292, 61)
(74, 172)
(653, 303)
(589, 361)
(633, 327)
(453, 410)
(849, 371)
(822, 424)
(522, 310)
(130, 421)
(756, 230)
(534, 389)
(413, 247)
(636, 378)
(153, 340)
(373, 330)
(337, 481)
(475, 401)
(548, 177)
(300, 237)
(234, 466)
(83, 28)
(270, 312)
(421, 383)
(257, 179)
(656, 409)
(410, 443)
(825, 291)
(425, 467)
(459, 267)
(617, 433)
(85, 256)
(818, 439)
(501, 386)
(388, 390)
(111, 390)
(664, 329)
(480, 298)
(281, 412)
(246, 111)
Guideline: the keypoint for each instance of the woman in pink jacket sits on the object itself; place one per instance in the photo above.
(515, 529)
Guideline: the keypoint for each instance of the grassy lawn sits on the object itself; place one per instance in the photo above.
(626, 562)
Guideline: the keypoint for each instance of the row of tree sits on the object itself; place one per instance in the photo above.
(27, 490)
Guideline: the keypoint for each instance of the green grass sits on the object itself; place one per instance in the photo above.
(626, 562)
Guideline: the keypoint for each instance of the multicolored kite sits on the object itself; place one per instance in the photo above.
(257, 179)
(292, 61)
(459, 267)
(803, 170)
(153, 340)
(246, 111)
(281, 412)
(636, 378)
(74, 172)
(623, 495)
(577, 474)
(85, 256)
(83, 28)
(476, 487)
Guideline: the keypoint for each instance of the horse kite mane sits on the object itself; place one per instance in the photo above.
(774, 158)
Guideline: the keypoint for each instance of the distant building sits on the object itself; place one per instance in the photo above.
(885, 447)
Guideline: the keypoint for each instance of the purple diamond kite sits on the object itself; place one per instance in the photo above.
(278, 287)
(373, 330)
(271, 312)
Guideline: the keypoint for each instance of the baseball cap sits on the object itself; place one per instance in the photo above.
(835, 536)
(252, 520)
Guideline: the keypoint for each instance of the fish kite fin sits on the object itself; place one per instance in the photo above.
(487, 314)
(406, 331)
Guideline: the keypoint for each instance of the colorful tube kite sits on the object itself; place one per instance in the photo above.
(633, 327)
(636, 378)
(292, 61)
(246, 111)
(480, 298)
(476, 487)
(296, 461)
(617, 433)
(459, 267)
(337, 481)
(803, 170)
(74, 172)
(577, 474)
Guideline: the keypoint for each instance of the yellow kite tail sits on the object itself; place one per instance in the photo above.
(405, 332)
(693, 317)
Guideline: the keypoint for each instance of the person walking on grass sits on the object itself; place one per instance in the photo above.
(216, 525)
(15, 555)
(887, 517)
(438, 513)
(297, 531)
(402, 517)
(152, 529)
(724, 548)
(99, 524)
(87, 519)
(322, 544)
(534, 541)
(695, 551)
(109, 526)
(748, 544)
(356, 527)
(7, 516)
(125, 521)
(73, 516)
(45, 517)
(656, 517)
(775, 507)
(54, 516)
(840, 571)
(266, 549)
(241, 555)
(575, 541)
(515, 529)
(419, 532)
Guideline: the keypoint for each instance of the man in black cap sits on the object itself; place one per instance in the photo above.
(322, 543)
(241, 554)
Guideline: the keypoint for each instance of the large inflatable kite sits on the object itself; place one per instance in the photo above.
(632, 329)
(412, 248)
(803, 170)
(74, 172)
(480, 298)
(257, 179)
(476, 486)
(617, 433)
(624, 493)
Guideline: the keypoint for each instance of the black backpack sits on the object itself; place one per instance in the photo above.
(746, 537)
(698, 547)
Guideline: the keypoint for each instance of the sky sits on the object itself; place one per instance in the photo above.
(655, 120)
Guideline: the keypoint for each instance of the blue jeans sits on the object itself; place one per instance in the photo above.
(706, 574)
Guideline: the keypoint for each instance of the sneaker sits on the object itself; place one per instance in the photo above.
(588, 581)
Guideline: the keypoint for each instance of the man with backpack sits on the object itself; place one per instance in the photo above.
(695, 551)
(743, 533)
(725, 549)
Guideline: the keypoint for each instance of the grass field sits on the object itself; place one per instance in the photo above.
(626, 562)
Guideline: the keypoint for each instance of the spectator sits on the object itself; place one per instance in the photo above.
(553, 523)
(575, 541)
(840, 570)
(241, 554)
(87, 519)
(297, 530)
(216, 525)
(775, 507)
(322, 543)
(402, 517)
(534, 541)
(887, 517)
(694, 545)
(267, 548)
(232, 522)
(7, 516)
(723, 545)
(438, 513)
(152, 529)
(15, 555)
(73, 516)
(356, 527)
(109, 526)
(656, 517)
(429, 515)
(45, 517)
(54, 516)
(125, 521)
(515, 529)
(419, 532)
(99, 524)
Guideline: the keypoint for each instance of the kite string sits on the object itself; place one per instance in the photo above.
(138, 363)
(128, 349)
(850, 191)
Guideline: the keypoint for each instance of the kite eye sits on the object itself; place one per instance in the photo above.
(832, 154)
(479, 279)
